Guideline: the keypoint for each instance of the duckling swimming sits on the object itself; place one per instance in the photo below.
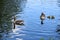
(52, 17)
(48, 17)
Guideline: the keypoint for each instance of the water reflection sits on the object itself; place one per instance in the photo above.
(8, 9)
(32, 29)
(58, 1)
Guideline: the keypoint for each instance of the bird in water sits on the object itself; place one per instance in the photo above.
(18, 22)
(50, 17)
(42, 17)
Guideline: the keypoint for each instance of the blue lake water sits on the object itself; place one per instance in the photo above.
(33, 30)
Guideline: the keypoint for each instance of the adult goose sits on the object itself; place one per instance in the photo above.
(42, 17)
(18, 22)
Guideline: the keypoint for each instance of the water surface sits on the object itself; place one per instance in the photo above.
(33, 30)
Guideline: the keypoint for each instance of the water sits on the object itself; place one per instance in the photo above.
(33, 30)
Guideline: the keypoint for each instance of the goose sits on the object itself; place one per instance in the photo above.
(42, 17)
(18, 22)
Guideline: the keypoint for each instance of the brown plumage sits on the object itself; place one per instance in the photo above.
(19, 22)
(52, 17)
(48, 17)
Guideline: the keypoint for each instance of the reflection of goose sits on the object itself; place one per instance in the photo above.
(42, 17)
